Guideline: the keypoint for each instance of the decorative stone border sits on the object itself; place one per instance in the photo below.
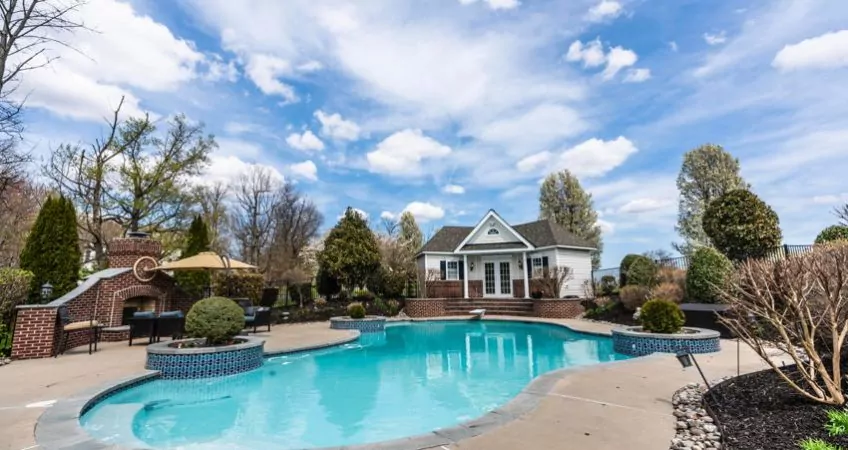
(634, 342)
(204, 362)
(368, 324)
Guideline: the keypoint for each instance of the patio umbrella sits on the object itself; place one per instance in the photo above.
(208, 261)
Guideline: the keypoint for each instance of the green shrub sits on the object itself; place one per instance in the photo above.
(608, 285)
(661, 316)
(394, 307)
(217, 319)
(14, 288)
(362, 295)
(708, 272)
(837, 422)
(5, 341)
(742, 226)
(833, 233)
(642, 272)
(326, 284)
(355, 310)
(239, 284)
(625, 266)
(633, 297)
(817, 444)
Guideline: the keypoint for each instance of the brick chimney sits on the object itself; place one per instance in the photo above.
(124, 252)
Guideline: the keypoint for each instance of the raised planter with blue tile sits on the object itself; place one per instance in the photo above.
(635, 342)
(368, 324)
(204, 362)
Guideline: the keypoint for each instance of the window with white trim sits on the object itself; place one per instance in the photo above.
(452, 270)
(536, 267)
(493, 232)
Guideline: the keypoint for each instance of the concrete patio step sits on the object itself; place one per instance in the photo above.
(512, 307)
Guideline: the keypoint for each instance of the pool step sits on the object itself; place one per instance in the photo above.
(511, 307)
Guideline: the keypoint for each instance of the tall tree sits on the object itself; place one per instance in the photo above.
(742, 226)
(296, 224)
(253, 219)
(213, 208)
(351, 253)
(410, 234)
(708, 172)
(154, 179)
(197, 241)
(19, 206)
(52, 251)
(563, 200)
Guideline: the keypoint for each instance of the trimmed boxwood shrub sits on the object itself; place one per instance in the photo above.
(832, 233)
(708, 271)
(355, 310)
(742, 226)
(625, 266)
(217, 319)
(661, 316)
(642, 272)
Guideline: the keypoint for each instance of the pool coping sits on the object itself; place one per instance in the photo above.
(59, 426)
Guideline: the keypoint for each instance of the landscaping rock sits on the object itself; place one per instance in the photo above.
(695, 429)
(5, 361)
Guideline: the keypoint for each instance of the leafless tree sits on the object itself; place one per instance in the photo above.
(842, 213)
(213, 208)
(553, 279)
(253, 219)
(427, 278)
(800, 304)
(19, 205)
(296, 224)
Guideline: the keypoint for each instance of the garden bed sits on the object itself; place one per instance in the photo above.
(760, 411)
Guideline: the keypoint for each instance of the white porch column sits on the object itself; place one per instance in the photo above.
(465, 276)
(526, 282)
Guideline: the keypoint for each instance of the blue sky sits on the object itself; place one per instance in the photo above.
(447, 108)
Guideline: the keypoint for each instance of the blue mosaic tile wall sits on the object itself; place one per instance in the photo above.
(640, 346)
(204, 365)
(364, 326)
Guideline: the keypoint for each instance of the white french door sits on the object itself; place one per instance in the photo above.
(497, 280)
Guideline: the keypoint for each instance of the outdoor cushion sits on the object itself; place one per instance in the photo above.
(80, 325)
(250, 311)
(249, 318)
(143, 314)
(171, 314)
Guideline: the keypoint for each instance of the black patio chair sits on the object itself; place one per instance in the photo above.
(143, 324)
(170, 324)
(68, 327)
(257, 317)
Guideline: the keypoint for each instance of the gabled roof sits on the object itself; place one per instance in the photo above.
(493, 215)
(541, 233)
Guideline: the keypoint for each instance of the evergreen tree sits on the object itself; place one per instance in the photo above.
(708, 172)
(563, 200)
(193, 282)
(52, 251)
(411, 240)
(351, 252)
(742, 226)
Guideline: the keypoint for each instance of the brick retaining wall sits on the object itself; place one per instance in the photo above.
(557, 308)
(35, 329)
(425, 307)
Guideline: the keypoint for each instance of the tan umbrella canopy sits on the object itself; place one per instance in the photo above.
(207, 261)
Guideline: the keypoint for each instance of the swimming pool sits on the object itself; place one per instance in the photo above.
(409, 380)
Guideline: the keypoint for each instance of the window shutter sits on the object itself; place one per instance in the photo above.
(461, 270)
(529, 267)
(544, 262)
(443, 269)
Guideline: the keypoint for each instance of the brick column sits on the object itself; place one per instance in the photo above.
(35, 332)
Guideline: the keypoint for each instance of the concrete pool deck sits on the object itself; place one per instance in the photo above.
(621, 405)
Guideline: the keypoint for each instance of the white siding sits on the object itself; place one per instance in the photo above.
(434, 261)
(483, 237)
(580, 263)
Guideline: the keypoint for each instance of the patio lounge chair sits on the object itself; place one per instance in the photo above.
(143, 324)
(257, 317)
(92, 327)
(170, 324)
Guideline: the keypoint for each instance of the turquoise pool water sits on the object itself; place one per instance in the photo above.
(414, 378)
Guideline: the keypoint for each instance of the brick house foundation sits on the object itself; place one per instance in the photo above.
(109, 297)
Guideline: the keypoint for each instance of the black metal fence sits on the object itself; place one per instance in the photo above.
(682, 262)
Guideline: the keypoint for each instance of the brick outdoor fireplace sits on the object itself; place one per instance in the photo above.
(109, 296)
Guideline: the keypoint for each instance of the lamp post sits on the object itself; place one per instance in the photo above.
(46, 291)
(685, 358)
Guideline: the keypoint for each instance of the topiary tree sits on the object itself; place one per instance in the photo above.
(351, 252)
(193, 282)
(52, 251)
(642, 272)
(708, 272)
(661, 316)
(833, 233)
(625, 266)
(355, 310)
(742, 226)
(217, 319)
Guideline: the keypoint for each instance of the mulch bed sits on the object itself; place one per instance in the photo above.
(760, 411)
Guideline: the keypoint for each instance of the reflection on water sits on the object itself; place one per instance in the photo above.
(411, 379)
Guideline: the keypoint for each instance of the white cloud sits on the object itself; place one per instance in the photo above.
(596, 157)
(424, 212)
(361, 213)
(642, 205)
(388, 215)
(618, 58)
(637, 75)
(830, 199)
(673, 46)
(336, 127)
(453, 189)
(265, 71)
(305, 169)
(828, 51)
(715, 38)
(605, 10)
(238, 147)
(533, 162)
(310, 66)
(520, 191)
(592, 54)
(306, 141)
(218, 70)
(402, 153)
(544, 125)
(236, 128)
(495, 4)
(607, 227)
(226, 169)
